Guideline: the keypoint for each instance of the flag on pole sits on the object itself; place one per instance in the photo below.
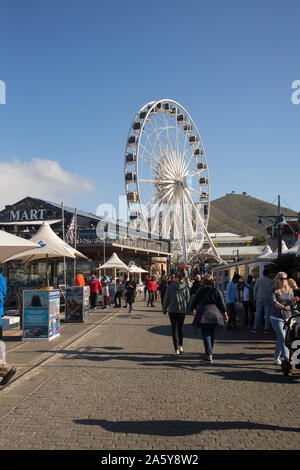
(70, 233)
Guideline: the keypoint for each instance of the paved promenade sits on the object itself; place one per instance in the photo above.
(113, 383)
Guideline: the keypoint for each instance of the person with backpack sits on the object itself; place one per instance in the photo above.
(176, 301)
(211, 312)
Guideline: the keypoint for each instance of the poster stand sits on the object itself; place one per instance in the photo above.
(41, 315)
(77, 303)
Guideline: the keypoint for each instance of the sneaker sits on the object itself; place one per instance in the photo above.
(8, 376)
(253, 330)
(209, 358)
(176, 353)
(181, 350)
(277, 361)
(266, 331)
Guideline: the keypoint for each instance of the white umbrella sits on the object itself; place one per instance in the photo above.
(136, 269)
(11, 245)
(266, 252)
(284, 249)
(295, 249)
(114, 262)
(50, 245)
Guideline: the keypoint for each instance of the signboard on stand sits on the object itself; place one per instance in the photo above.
(112, 292)
(77, 300)
(41, 315)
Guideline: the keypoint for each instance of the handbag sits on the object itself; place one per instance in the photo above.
(196, 321)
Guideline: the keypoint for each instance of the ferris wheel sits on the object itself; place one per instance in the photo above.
(166, 177)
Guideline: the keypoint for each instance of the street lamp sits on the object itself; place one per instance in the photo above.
(277, 221)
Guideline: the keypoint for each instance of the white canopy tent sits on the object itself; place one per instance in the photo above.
(136, 270)
(295, 249)
(113, 263)
(266, 252)
(11, 245)
(50, 246)
(284, 249)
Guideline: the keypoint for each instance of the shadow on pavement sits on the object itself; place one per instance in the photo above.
(249, 370)
(255, 376)
(178, 428)
(222, 334)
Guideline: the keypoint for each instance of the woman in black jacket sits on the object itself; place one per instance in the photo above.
(210, 312)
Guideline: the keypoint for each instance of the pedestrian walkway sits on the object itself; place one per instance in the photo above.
(113, 383)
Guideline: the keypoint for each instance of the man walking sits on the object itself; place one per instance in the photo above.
(231, 298)
(95, 289)
(130, 287)
(262, 294)
(152, 289)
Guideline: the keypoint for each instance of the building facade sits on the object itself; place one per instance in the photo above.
(93, 236)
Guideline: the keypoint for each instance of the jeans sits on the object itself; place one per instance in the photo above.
(231, 314)
(118, 299)
(94, 296)
(130, 300)
(249, 312)
(151, 298)
(208, 335)
(262, 305)
(280, 333)
(177, 320)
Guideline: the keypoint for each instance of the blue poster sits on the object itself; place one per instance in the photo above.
(41, 318)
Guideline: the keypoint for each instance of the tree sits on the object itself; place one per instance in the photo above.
(201, 258)
(258, 240)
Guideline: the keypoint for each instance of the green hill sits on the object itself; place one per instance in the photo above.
(238, 213)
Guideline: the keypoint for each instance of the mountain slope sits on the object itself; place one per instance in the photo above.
(238, 213)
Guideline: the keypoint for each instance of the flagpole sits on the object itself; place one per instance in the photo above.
(63, 228)
(75, 240)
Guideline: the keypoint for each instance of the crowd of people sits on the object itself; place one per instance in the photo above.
(265, 302)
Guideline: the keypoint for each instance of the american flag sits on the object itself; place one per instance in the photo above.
(70, 232)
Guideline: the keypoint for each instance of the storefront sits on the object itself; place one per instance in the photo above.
(24, 218)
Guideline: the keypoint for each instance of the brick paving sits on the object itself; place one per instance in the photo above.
(118, 386)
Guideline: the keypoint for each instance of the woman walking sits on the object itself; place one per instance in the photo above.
(210, 313)
(282, 301)
(176, 302)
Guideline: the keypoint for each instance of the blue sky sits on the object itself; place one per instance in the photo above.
(76, 73)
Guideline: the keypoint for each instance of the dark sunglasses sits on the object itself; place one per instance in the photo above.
(283, 278)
